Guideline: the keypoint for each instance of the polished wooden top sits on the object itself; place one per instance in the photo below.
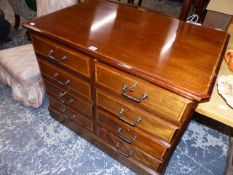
(181, 57)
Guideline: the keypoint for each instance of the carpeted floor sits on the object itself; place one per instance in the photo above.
(33, 143)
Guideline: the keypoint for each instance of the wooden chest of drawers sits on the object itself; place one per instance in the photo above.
(125, 85)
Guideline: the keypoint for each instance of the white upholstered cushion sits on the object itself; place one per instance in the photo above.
(20, 62)
(19, 69)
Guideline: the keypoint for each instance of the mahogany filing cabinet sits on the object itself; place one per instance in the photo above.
(125, 78)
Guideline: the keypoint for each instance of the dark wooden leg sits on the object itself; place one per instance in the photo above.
(139, 2)
(200, 9)
(130, 1)
(185, 10)
(17, 22)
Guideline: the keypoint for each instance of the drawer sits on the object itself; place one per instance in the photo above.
(71, 59)
(68, 99)
(71, 115)
(128, 151)
(141, 92)
(134, 117)
(64, 79)
(132, 135)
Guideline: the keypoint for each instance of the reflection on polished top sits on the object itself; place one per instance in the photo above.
(181, 57)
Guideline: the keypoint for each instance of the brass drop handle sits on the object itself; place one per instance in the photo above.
(61, 95)
(60, 81)
(128, 140)
(122, 113)
(63, 110)
(66, 116)
(124, 93)
(50, 53)
(70, 117)
(73, 116)
(122, 152)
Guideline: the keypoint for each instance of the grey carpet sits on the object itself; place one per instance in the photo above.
(33, 143)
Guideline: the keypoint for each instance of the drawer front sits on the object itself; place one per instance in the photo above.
(141, 92)
(68, 100)
(134, 117)
(71, 59)
(64, 79)
(132, 135)
(128, 151)
(71, 115)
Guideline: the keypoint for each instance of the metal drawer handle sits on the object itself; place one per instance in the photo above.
(128, 140)
(122, 152)
(61, 95)
(73, 116)
(61, 82)
(124, 93)
(62, 111)
(66, 115)
(70, 117)
(122, 112)
(49, 55)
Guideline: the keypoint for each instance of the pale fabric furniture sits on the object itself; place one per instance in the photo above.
(19, 68)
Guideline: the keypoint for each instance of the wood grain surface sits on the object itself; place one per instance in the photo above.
(134, 76)
(181, 57)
